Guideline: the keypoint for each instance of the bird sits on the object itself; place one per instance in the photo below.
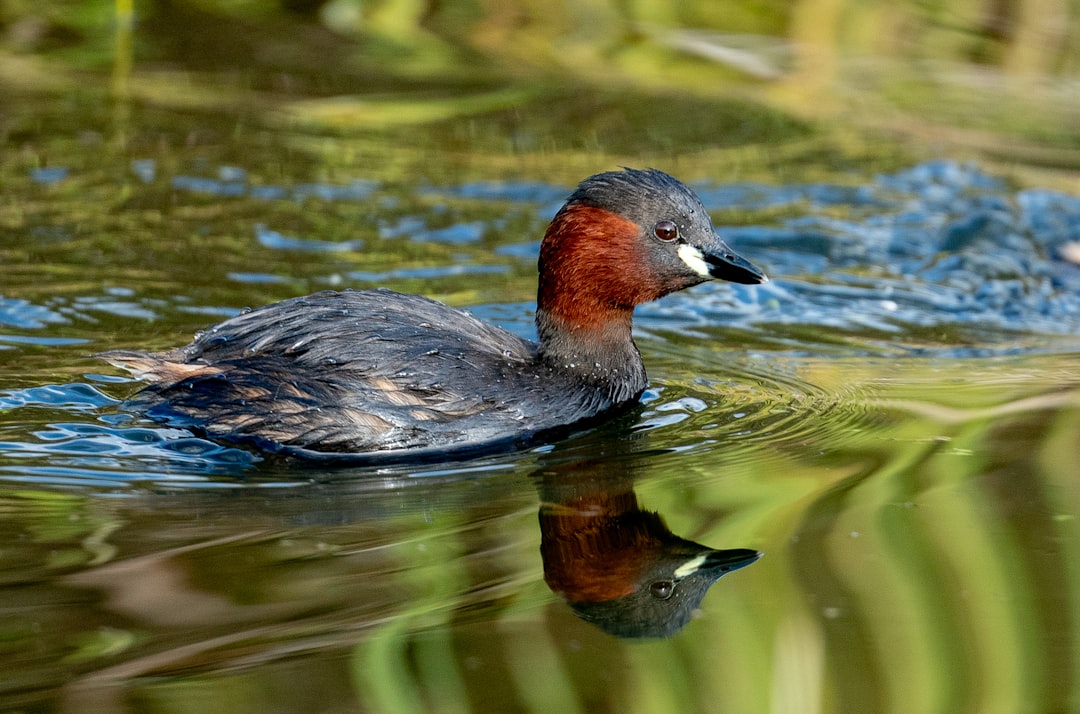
(376, 375)
(615, 564)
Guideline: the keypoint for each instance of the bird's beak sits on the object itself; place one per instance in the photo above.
(726, 264)
(718, 562)
(717, 260)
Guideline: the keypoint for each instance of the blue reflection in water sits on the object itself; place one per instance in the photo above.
(939, 244)
(105, 450)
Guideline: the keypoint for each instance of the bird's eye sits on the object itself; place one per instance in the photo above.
(666, 231)
(662, 589)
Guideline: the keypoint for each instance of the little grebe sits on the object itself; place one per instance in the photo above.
(381, 375)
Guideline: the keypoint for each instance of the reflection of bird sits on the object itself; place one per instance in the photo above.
(620, 568)
(395, 375)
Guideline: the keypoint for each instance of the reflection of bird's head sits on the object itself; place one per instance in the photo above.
(621, 569)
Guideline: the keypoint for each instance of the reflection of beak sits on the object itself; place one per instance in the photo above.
(719, 562)
(726, 264)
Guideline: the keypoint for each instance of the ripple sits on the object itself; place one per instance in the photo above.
(232, 183)
(258, 278)
(75, 396)
(53, 174)
(457, 233)
(277, 241)
(43, 341)
(157, 454)
(516, 191)
(769, 400)
(15, 312)
(112, 443)
(945, 244)
(427, 273)
(133, 309)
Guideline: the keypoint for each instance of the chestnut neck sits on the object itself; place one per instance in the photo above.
(590, 280)
(596, 548)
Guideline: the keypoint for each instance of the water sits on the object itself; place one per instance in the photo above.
(893, 420)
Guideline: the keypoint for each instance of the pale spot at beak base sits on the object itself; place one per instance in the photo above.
(690, 566)
(694, 260)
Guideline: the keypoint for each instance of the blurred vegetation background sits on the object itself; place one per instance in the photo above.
(994, 78)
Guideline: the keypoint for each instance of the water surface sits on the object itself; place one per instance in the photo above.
(893, 420)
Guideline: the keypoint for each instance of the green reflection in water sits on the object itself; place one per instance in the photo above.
(914, 562)
(919, 521)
